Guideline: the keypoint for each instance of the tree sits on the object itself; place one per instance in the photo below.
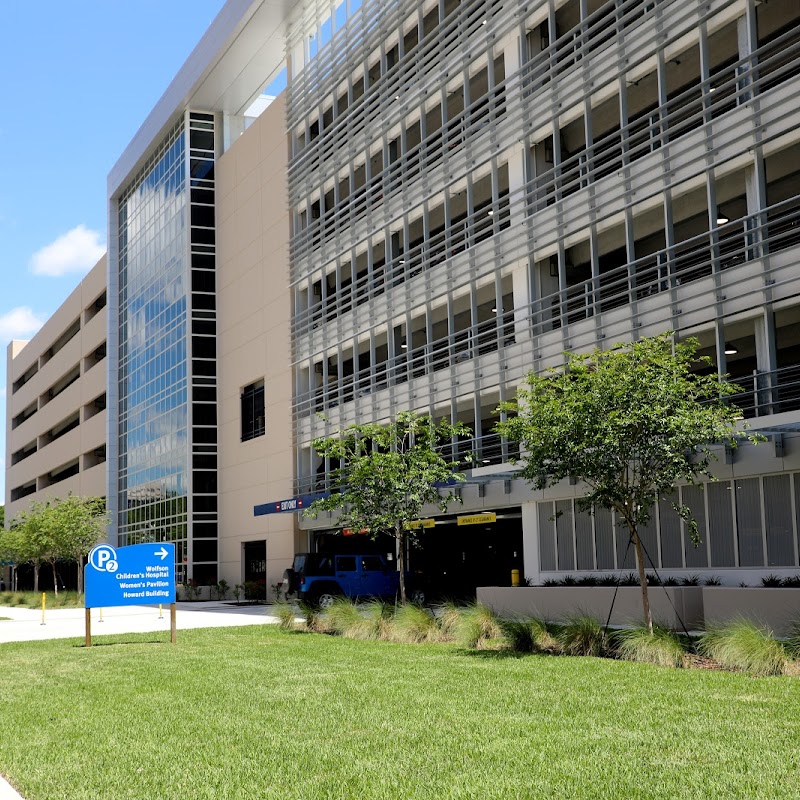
(59, 529)
(388, 473)
(630, 422)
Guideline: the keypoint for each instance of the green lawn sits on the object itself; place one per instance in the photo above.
(258, 713)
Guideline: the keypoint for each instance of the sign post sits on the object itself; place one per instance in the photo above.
(139, 574)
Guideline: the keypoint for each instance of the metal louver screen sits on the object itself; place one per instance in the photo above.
(694, 497)
(720, 517)
(583, 539)
(604, 538)
(670, 527)
(748, 521)
(780, 530)
(547, 541)
(564, 534)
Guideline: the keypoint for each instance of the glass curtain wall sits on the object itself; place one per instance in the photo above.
(153, 486)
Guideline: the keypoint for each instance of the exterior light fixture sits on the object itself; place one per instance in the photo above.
(403, 345)
(721, 218)
(494, 310)
(730, 349)
(490, 213)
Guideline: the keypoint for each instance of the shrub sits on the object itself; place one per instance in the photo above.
(582, 635)
(479, 627)
(285, 614)
(690, 580)
(771, 581)
(712, 580)
(607, 580)
(792, 582)
(631, 579)
(661, 647)
(742, 645)
(587, 580)
(413, 623)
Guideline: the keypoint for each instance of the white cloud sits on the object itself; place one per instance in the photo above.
(78, 250)
(19, 323)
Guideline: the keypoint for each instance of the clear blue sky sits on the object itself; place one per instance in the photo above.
(78, 77)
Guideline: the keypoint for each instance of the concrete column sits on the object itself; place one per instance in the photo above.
(530, 543)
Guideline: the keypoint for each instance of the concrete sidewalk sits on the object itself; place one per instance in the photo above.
(25, 625)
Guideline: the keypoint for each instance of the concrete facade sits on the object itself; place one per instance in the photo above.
(56, 402)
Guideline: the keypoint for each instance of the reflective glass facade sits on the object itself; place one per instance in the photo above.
(153, 424)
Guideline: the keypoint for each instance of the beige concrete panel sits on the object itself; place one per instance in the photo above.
(247, 228)
(246, 152)
(93, 481)
(271, 127)
(93, 333)
(94, 283)
(58, 408)
(248, 191)
(62, 318)
(55, 369)
(94, 382)
(93, 432)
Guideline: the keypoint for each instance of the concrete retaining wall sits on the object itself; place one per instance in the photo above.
(558, 602)
(775, 608)
(778, 609)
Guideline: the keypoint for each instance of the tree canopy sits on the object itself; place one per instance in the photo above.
(386, 474)
(630, 423)
(53, 530)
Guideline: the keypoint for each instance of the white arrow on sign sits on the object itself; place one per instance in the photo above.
(163, 552)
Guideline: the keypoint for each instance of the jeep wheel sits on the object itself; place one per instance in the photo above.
(326, 600)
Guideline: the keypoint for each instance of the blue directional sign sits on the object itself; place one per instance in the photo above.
(128, 576)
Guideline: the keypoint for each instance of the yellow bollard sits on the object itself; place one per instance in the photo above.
(515, 577)
(160, 611)
(101, 615)
(44, 596)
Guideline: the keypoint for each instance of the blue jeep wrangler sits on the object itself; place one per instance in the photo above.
(319, 579)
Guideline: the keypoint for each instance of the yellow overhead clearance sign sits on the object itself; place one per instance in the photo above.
(477, 519)
(416, 524)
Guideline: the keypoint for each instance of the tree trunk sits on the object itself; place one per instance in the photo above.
(36, 577)
(637, 544)
(401, 559)
(55, 577)
(80, 575)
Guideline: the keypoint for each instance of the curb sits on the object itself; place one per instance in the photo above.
(7, 791)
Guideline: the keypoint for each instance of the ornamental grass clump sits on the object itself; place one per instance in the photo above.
(661, 647)
(582, 635)
(413, 624)
(449, 616)
(378, 619)
(479, 627)
(344, 618)
(285, 615)
(792, 643)
(743, 646)
(530, 635)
